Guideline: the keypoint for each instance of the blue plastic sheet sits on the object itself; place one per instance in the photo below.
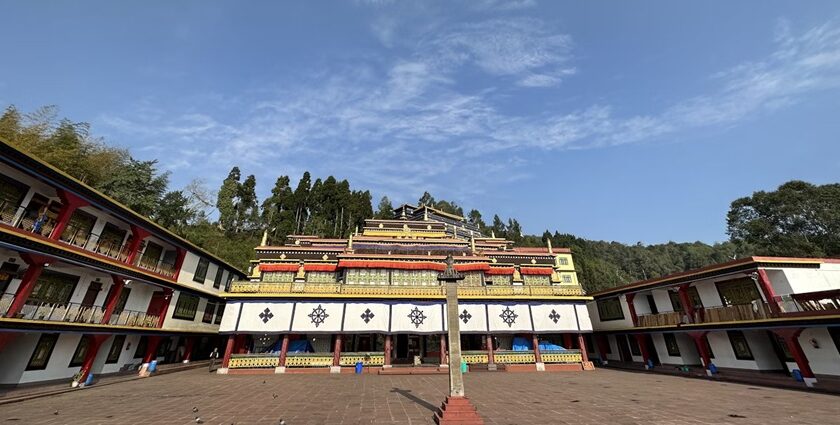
(300, 346)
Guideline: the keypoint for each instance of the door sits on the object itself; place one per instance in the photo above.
(156, 304)
(651, 349)
(781, 350)
(91, 294)
(363, 343)
(623, 348)
(414, 347)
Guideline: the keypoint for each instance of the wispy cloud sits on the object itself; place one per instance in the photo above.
(405, 124)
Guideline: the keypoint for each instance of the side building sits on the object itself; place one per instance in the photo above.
(320, 305)
(89, 286)
(777, 316)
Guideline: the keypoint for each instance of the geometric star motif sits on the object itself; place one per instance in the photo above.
(554, 316)
(367, 315)
(465, 316)
(266, 315)
(508, 316)
(318, 315)
(417, 317)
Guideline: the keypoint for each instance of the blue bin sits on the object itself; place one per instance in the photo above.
(464, 367)
(713, 368)
(89, 380)
(152, 366)
(359, 367)
(797, 375)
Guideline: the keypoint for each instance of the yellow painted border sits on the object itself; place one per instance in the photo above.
(227, 295)
(757, 321)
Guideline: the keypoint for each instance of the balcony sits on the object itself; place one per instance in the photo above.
(272, 360)
(811, 303)
(672, 318)
(432, 291)
(75, 313)
(159, 267)
(706, 315)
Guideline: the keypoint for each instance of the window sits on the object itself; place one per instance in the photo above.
(567, 278)
(536, 280)
(209, 311)
(278, 277)
(320, 277)
(229, 280)
(500, 279)
(54, 287)
(693, 295)
(186, 307)
(8, 271)
(634, 346)
(652, 304)
(607, 345)
(140, 351)
(610, 309)
(121, 302)
(401, 277)
(116, 349)
(81, 351)
(737, 291)
(740, 345)
(43, 351)
(564, 261)
(782, 347)
(201, 270)
(219, 312)
(217, 281)
(708, 346)
(472, 279)
(671, 345)
(835, 336)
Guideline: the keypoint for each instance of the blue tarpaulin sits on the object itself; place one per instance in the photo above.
(524, 344)
(300, 346)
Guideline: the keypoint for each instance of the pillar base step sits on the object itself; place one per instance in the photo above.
(457, 411)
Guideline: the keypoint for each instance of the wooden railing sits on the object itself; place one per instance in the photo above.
(76, 313)
(250, 361)
(671, 318)
(393, 290)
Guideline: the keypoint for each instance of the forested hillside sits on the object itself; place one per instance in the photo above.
(798, 219)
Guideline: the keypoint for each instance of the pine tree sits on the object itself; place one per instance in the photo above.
(386, 210)
(227, 200)
(247, 209)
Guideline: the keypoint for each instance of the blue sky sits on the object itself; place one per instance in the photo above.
(628, 121)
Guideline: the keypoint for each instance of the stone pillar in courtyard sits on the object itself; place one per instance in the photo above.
(457, 408)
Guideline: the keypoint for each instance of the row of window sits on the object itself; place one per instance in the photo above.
(200, 274)
(732, 292)
(187, 306)
(384, 277)
(46, 343)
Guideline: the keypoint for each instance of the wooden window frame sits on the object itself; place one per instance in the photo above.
(115, 351)
(601, 310)
(672, 349)
(210, 308)
(217, 280)
(82, 349)
(52, 339)
(737, 335)
(202, 267)
(220, 311)
(183, 310)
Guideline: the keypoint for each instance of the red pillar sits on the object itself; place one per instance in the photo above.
(179, 262)
(6, 338)
(582, 346)
(387, 350)
(443, 350)
(536, 342)
(167, 298)
(69, 203)
(491, 356)
(602, 342)
(769, 292)
(641, 341)
(632, 308)
(137, 236)
(337, 351)
(112, 298)
(152, 343)
(284, 350)
(567, 341)
(700, 342)
(27, 283)
(688, 305)
(228, 351)
(95, 342)
(791, 337)
(188, 349)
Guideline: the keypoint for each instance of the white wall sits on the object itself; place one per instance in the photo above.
(188, 325)
(688, 351)
(597, 324)
(824, 360)
(663, 300)
(786, 281)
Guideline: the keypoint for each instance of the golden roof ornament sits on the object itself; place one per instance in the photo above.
(550, 251)
(264, 238)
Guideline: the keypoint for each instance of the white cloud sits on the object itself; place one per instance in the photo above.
(410, 126)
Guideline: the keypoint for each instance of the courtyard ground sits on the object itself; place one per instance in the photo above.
(599, 397)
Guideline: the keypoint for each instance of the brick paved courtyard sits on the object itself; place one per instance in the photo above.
(599, 397)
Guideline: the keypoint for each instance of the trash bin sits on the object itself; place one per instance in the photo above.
(152, 366)
(713, 368)
(89, 380)
(464, 367)
(359, 367)
(797, 375)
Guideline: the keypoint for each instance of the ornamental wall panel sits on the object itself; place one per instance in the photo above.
(265, 317)
(584, 321)
(509, 317)
(417, 318)
(554, 318)
(228, 323)
(318, 317)
(366, 317)
(472, 318)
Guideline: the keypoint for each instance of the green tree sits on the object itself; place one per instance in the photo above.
(138, 186)
(797, 219)
(385, 210)
(247, 207)
(227, 200)
(174, 211)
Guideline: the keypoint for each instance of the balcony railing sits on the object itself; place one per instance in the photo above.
(76, 313)
(522, 356)
(270, 360)
(386, 290)
(159, 267)
(812, 302)
(134, 318)
(731, 313)
(672, 318)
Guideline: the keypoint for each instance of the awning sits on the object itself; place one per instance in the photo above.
(319, 267)
(499, 271)
(279, 267)
(472, 267)
(400, 265)
(542, 271)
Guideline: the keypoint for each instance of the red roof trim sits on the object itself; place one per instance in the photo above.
(541, 271)
(279, 267)
(472, 267)
(319, 267)
(400, 265)
(499, 271)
